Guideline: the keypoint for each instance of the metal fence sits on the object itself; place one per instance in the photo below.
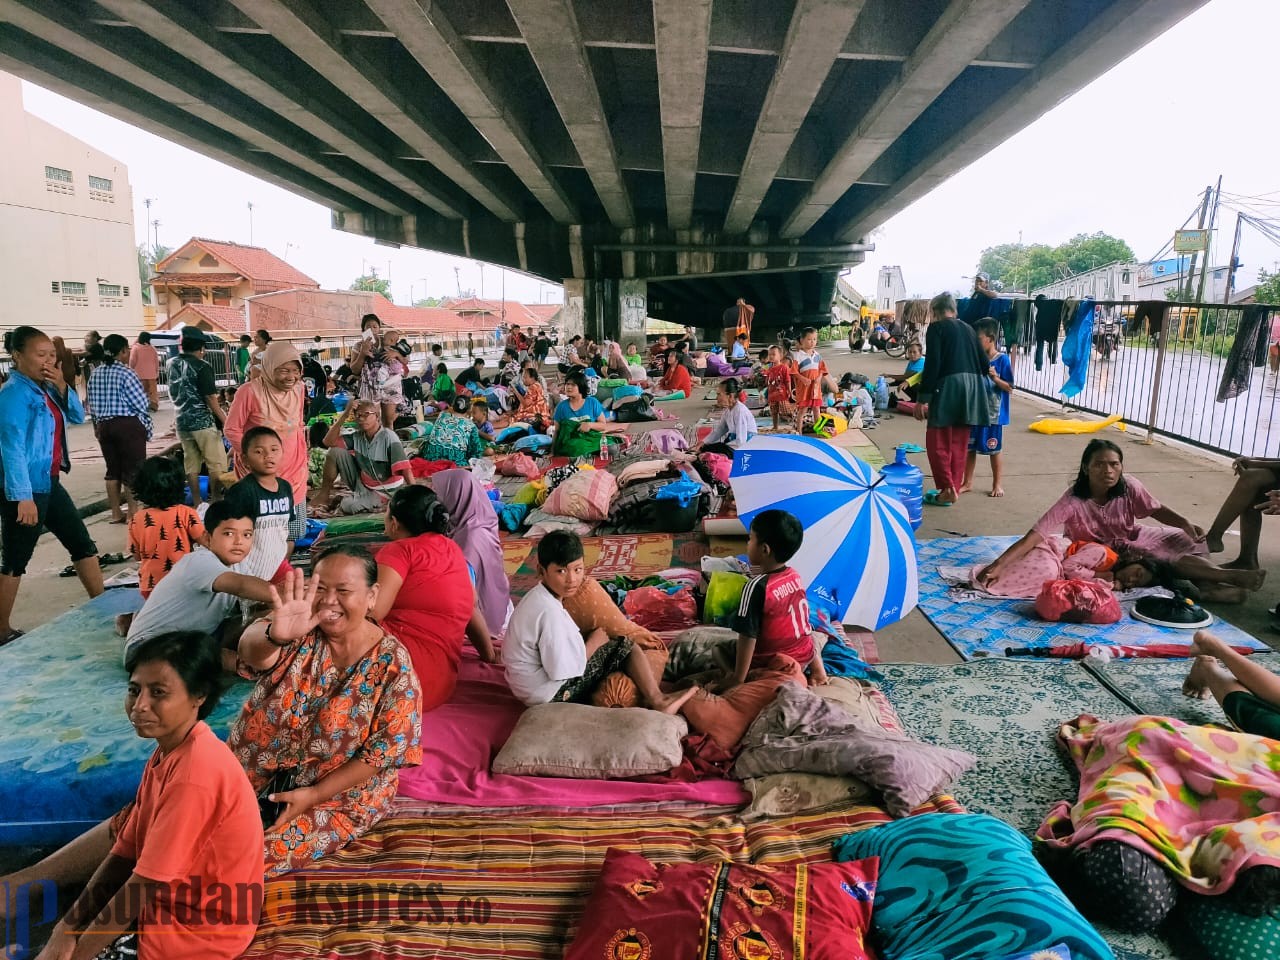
(1168, 381)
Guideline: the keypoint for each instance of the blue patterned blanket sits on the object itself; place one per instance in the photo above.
(987, 627)
(69, 754)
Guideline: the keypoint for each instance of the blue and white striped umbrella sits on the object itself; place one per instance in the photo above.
(859, 550)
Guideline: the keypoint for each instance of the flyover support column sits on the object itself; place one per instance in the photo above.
(633, 312)
(573, 313)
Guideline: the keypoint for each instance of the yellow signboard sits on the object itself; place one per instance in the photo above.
(1190, 241)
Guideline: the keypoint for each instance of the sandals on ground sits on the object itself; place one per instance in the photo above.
(932, 499)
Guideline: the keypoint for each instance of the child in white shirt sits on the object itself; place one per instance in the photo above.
(546, 656)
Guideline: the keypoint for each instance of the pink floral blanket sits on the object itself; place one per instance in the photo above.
(1204, 802)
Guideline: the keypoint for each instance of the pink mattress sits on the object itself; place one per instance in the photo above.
(461, 738)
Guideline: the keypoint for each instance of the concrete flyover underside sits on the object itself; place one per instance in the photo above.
(714, 148)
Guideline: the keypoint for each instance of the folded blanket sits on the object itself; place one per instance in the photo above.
(1201, 801)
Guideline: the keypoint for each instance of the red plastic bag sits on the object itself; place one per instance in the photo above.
(656, 610)
(518, 465)
(1078, 601)
(719, 465)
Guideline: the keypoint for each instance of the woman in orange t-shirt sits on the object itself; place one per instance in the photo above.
(193, 834)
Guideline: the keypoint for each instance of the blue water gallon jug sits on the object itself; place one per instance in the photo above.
(340, 401)
(882, 394)
(907, 482)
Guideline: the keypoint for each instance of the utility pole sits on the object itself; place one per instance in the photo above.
(1231, 264)
(147, 203)
(1191, 269)
(156, 246)
(1208, 264)
(457, 281)
(251, 223)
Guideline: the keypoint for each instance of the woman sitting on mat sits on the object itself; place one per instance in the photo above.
(426, 597)
(455, 436)
(737, 423)
(675, 378)
(1104, 506)
(473, 526)
(1056, 558)
(193, 830)
(336, 710)
(580, 420)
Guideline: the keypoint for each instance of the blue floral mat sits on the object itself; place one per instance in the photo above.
(987, 627)
(69, 754)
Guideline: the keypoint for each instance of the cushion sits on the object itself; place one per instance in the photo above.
(965, 887)
(1226, 934)
(726, 718)
(591, 743)
(800, 731)
(587, 495)
(541, 523)
(782, 794)
(592, 607)
(855, 699)
(645, 911)
(619, 690)
(664, 441)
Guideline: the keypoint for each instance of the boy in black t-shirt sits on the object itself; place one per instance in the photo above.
(269, 499)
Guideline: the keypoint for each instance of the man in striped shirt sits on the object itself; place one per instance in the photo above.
(121, 415)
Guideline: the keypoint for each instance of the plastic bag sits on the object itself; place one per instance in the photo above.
(724, 590)
(655, 609)
(683, 492)
(1077, 601)
(533, 492)
(483, 469)
(519, 465)
(719, 465)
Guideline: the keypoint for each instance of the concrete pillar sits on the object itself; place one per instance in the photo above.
(573, 311)
(633, 311)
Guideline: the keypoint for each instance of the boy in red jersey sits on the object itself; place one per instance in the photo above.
(773, 615)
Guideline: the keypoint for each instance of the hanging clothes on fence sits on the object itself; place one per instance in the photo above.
(1047, 324)
(1078, 343)
(1248, 350)
(1016, 326)
(1153, 312)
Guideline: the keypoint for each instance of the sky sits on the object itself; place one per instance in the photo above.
(1130, 155)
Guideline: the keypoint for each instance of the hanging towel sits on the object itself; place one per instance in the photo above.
(1153, 312)
(1076, 347)
(1249, 350)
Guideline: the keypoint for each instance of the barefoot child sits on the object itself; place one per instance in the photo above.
(1248, 692)
(988, 441)
(162, 533)
(807, 371)
(547, 659)
(777, 377)
(773, 615)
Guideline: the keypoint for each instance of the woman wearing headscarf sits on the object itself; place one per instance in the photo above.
(475, 530)
(275, 400)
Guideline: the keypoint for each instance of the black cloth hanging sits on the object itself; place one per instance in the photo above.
(1248, 350)
(1153, 312)
(1048, 323)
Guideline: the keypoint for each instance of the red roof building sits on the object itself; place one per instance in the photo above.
(226, 322)
(218, 273)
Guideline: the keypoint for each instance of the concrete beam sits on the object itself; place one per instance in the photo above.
(303, 30)
(550, 29)
(193, 93)
(1116, 33)
(681, 29)
(816, 34)
(963, 31)
(430, 38)
(55, 70)
(186, 32)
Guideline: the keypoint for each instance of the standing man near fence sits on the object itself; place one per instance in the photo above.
(199, 415)
(737, 319)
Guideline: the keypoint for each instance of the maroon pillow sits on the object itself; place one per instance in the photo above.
(644, 911)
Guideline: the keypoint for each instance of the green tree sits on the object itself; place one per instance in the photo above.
(1268, 287)
(428, 302)
(148, 257)
(1030, 266)
(372, 283)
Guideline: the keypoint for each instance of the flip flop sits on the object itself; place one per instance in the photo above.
(911, 448)
(931, 498)
(11, 636)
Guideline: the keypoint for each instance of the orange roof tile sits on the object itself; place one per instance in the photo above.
(256, 263)
(198, 279)
(228, 320)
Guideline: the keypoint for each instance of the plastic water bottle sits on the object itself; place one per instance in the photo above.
(907, 482)
(604, 448)
(882, 394)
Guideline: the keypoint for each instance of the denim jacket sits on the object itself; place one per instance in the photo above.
(26, 435)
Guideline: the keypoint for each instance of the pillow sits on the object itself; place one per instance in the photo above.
(646, 911)
(782, 794)
(965, 887)
(541, 523)
(664, 441)
(858, 701)
(591, 743)
(1227, 934)
(586, 495)
(592, 607)
(800, 731)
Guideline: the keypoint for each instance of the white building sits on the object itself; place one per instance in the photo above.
(890, 288)
(68, 263)
(1114, 281)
